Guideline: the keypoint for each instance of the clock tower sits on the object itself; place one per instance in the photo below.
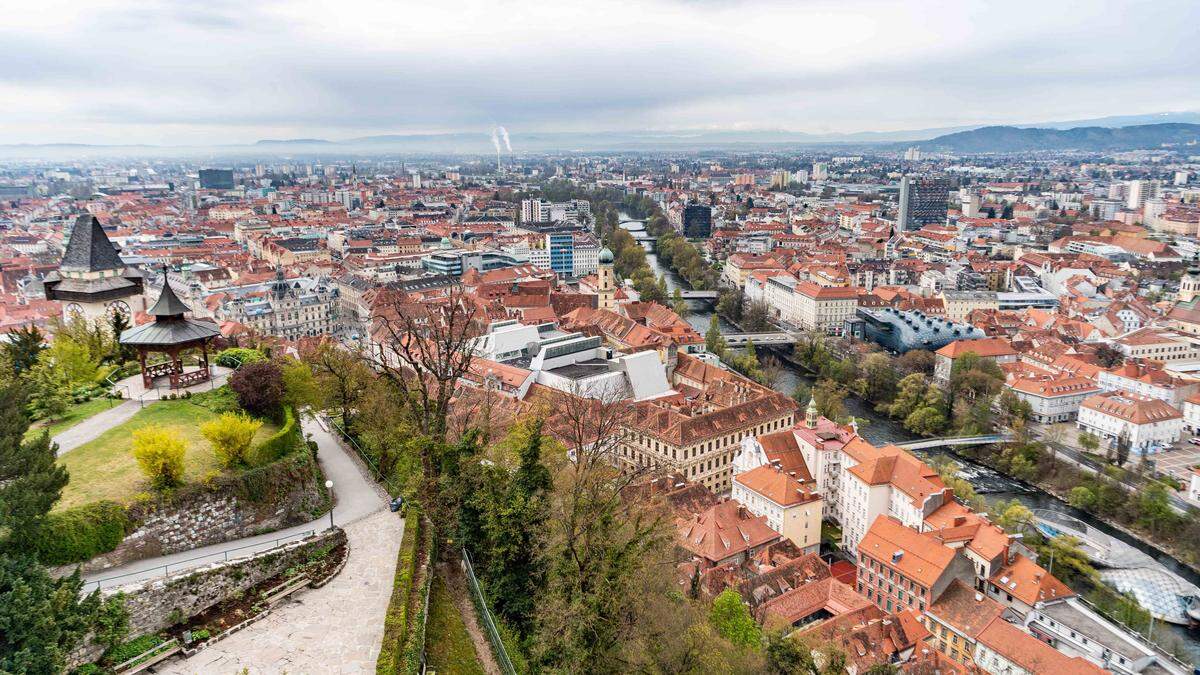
(92, 281)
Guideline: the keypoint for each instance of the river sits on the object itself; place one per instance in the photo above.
(881, 430)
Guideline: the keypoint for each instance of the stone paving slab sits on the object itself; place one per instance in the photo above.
(333, 629)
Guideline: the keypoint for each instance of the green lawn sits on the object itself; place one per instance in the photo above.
(74, 415)
(105, 468)
(448, 646)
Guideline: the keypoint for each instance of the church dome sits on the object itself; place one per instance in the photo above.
(606, 256)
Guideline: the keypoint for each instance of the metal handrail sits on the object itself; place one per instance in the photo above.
(379, 475)
(274, 544)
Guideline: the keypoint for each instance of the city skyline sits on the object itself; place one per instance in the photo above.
(169, 74)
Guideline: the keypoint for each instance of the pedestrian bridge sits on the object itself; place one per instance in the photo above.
(950, 441)
(699, 295)
(769, 338)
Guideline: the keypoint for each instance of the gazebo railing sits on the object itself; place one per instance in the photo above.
(187, 379)
(163, 369)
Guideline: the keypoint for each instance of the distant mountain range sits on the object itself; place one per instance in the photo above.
(1099, 134)
(1088, 139)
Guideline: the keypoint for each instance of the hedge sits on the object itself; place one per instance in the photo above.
(81, 533)
(281, 443)
(392, 655)
(237, 356)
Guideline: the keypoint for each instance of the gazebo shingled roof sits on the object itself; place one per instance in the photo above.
(171, 332)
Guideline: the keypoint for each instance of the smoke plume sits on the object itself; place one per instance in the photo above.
(504, 135)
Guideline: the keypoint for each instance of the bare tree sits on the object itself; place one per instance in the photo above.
(342, 376)
(605, 542)
(423, 348)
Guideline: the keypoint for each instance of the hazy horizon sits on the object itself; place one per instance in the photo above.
(170, 73)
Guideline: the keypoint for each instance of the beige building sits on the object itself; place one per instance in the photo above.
(699, 439)
(824, 308)
(784, 495)
(961, 303)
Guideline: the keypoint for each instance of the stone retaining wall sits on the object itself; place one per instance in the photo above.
(223, 512)
(158, 604)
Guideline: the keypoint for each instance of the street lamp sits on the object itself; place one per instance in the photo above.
(329, 486)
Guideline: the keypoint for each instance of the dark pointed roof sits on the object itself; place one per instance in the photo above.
(168, 303)
(89, 249)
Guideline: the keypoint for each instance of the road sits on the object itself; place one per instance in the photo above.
(357, 498)
(1092, 465)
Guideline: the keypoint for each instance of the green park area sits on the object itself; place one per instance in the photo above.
(105, 468)
(73, 415)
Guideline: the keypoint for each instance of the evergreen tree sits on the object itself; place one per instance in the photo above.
(42, 619)
(23, 347)
(30, 480)
(713, 341)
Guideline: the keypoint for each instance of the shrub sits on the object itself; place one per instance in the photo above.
(281, 443)
(159, 453)
(82, 533)
(135, 647)
(219, 400)
(395, 623)
(231, 435)
(259, 388)
(235, 357)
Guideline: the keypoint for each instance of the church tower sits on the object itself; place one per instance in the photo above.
(606, 281)
(92, 281)
(1189, 285)
(811, 414)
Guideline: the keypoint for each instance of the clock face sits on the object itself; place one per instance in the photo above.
(74, 309)
(118, 307)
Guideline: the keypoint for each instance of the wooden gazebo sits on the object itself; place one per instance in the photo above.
(171, 333)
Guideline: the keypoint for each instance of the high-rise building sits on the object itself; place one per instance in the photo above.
(697, 221)
(1138, 191)
(820, 171)
(922, 202)
(781, 178)
(562, 253)
(216, 179)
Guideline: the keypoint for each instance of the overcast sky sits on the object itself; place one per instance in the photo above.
(216, 71)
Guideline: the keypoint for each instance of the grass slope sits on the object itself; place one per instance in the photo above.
(104, 468)
(447, 644)
(75, 414)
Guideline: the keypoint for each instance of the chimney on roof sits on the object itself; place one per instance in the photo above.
(742, 514)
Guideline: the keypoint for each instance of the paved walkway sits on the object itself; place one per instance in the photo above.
(135, 397)
(333, 629)
(357, 497)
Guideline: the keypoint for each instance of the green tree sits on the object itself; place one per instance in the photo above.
(30, 479)
(713, 340)
(678, 304)
(926, 421)
(1088, 441)
(50, 390)
(910, 395)
(159, 452)
(731, 618)
(756, 316)
(1014, 517)
(1082, 497)
(44, 618)
(231, 435)
(878, 378)
(23, 346)
(830, 397)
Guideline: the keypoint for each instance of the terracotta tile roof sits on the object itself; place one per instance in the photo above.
(985, 348)
(1028, 582)
(1131, 407)
(918, 556)
(777, 485)
(797, 604)
(724, 530)
(904, 471)
(965, 609)
(1031, 653)
(1060, 386)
